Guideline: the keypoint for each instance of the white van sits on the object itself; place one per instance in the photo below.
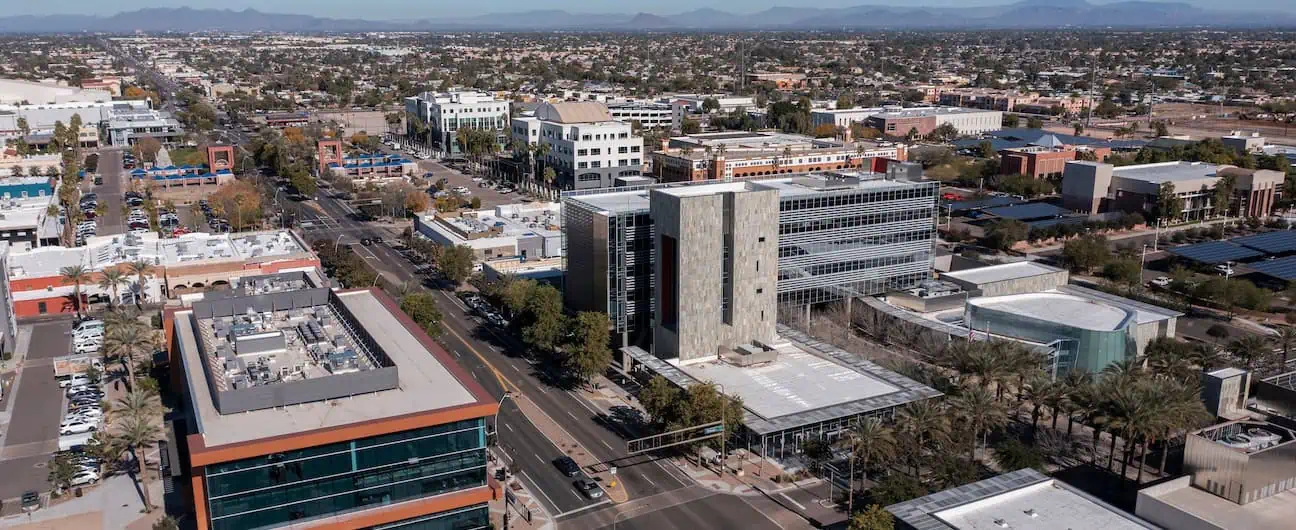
(86, 325)
(75, 380)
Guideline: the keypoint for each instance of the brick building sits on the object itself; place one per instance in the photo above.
(1045, 161)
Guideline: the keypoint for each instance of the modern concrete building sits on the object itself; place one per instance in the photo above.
(839, 235)
(1094, 187)
(1240, 475)
(444, 113)
(313, 408)
(42, 118)
(844, 118)
(1244, 143)
(1045, 161)
(924, 120)
(586, 147)
(24, 211)
(126, 125)
(1022, 499)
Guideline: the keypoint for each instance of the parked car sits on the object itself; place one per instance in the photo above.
(84, 477)
(77, 427)
(1162, 281)
(91, 347)
(1224, 269)
(30, 501)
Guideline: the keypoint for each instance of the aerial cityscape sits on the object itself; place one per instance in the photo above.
(689, 265)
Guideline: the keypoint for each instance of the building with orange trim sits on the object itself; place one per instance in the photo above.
(185, 264)
(313, 409)
(1045, 161)
(727, 155)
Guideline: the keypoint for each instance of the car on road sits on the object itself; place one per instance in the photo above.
(505, 190)
(589, 488)
(30, 501)
(567, 466)
(1224, 269)
(366, 241)
(1161, 281)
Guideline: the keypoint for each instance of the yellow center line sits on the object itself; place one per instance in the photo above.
(504, 382)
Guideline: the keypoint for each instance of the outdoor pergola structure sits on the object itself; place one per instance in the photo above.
(780, 411)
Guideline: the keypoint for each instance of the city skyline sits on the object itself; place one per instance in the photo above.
(396, 9)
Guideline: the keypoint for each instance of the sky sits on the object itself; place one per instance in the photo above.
(394, 9)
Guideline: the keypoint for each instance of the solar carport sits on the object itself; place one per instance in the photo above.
(1271, 243)
(1215, 252)
(1282, 269)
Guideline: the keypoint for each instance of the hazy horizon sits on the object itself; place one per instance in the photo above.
(394, 9)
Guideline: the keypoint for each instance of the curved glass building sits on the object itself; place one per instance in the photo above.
(1086, 334)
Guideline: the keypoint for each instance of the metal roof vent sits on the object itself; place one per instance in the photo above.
(1001, 523)
(1032, 513)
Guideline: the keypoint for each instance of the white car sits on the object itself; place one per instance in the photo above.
(85, 415)
(85, 476)
(74, 389)
(1224, 269)
(87, 333)
(86, 325)
(75, 380)
(89, 347)
(77, 427)
(1162, 281)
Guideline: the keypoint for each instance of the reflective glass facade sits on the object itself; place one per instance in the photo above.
(271, 490)
(472, 518)
(1077, 348)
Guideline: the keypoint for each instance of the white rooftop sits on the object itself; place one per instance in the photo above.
(1000, 273)
(198, 247)
(424, 384)
(1277, 511)
(1046, 505)
(796, 382)
(1071, 310)
(1167, 171)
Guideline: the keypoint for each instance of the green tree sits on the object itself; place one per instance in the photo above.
(126, 341)
(137, 435)
(456, 263)
(544, 318)
(62, 470)
(710, 105)
(845, 101)
(1126, 271)
(1169, 205)
(978, 410)
(944, 133)
(690, 126)
(1006, 233)
(142, 269)
(1034, 123)
(301, 179)
(1222, 195)
(658, 397)
(1013, 454)
(112, 280)
(588, 354)
(1011, 121)
(872, 518)
(1086, 252)
(422, 309)
(23, 127)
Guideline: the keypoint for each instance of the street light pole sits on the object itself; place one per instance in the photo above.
(335, 243)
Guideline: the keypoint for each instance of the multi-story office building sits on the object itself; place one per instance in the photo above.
(840, 234)
(314, 408)
(1093, 187)
(126, 125)
(844, 118)
(648, 115)
(924, 120)
(729, 155)
(444, 113)
(587, 148)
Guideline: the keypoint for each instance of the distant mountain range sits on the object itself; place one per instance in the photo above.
(1027, 14)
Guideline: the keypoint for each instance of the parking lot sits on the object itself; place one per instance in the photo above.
(35, 412)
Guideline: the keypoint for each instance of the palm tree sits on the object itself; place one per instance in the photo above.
(1251, 350)
(1206, 356)
(977, 408)
(138, 403)
(142, 269)
(75, 275)
(126, 342)
(871, 441)
(1036, 390)
(1076, 383)
(1056, 398)
(111, 280)
(1285, 340)
(924, 421)
(137, 434)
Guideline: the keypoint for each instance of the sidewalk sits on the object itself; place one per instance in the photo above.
(526, 504)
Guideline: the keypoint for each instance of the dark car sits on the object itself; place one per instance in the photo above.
(590, 488)
(366, 241)
(31, 501)
(567, 466)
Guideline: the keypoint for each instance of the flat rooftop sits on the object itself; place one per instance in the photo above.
(422, 382)
(1074, 311)
(188, 249)
(1167, 171)
(1022, 499)
(1001, 273)
(809, 382)
(1277, 511)
(921, 112)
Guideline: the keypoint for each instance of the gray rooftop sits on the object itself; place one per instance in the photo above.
(422, 382)
(1167, 172)
(811, 382)
(1276, 511)
(1020, 499)
(1000, 273)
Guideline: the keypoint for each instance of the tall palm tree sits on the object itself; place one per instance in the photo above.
(126, 342)
(1056, 398)
(111, 280)
(142, 270)
(75, 275)
(871, 441)
(978, 409)
(1036, 391)
(138, 403)
(924, 421)
(137, 434)
(1076, 383)
(1206, 356)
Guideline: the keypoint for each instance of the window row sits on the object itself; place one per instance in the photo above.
(858, 198)
(836, 223)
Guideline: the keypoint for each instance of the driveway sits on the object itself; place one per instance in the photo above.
(32, 434)
(110, 192)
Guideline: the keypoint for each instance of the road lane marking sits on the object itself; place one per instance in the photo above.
(794, 503)
(583, 508)
(573, 416)
(506, 426)
(536, 488)
(504, 382)
(648, 480)
(538, 458)
(605, 444)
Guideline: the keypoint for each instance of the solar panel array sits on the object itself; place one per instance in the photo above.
(1215, 252)
(1034, 210)
(1277, 242)
(1283, 269)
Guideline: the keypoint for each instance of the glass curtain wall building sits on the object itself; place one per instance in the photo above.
(841, 234)
(1083, 334)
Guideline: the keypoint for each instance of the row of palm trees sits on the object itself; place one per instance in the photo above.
(112, 280)
(990, 384)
